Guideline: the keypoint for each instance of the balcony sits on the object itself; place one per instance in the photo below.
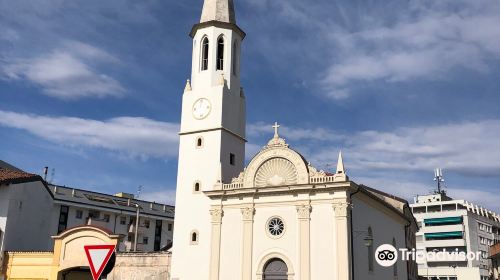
(445, 243)
(97, 222)
(446, 257)
(129, 246)
(142, 228)
(445, 228)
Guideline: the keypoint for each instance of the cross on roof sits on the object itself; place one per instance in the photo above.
(276, 126)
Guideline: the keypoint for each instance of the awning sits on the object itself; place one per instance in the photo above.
(444, 234)
(446, 220)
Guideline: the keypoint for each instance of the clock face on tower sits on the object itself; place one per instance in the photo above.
(201, 108)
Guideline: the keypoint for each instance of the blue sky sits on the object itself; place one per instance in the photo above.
(93, 89)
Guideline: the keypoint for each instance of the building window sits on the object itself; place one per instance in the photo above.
(158, 226)
(194, 237)
(232, 159)
(370, 251)
(79, 214)
(169, 227)
(63, 219)
(146, 223)
(106, 218)
(220, 53)
(275, 227)
(196, 187)
(123, 220)
(94, 214)
(145, 240)
(204, 54)
(199, 142)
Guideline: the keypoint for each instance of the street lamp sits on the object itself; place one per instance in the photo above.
(368, 240)
(136, 226)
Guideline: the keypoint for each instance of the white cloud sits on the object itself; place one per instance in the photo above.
(132, 136)
(67, 73)
(426, 45)
(352, 45)
(165, 196)
(469, 147)
(408, 190)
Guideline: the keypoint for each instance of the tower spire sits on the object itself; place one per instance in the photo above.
(340, 174)
(218, 10)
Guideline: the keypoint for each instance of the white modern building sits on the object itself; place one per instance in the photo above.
(31, 211)
(278, 217)
(454, 226)
(116, 213)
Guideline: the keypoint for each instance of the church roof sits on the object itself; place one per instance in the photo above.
(218, 10)
(218, 13)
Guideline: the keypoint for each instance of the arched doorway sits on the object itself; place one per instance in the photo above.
(76, 273)
(275, 269)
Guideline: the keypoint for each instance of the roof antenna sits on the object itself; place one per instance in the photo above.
(438, 177)
(45, 171)
(139, 190)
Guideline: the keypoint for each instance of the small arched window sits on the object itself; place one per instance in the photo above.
(194, 237)
(395, 266)
(196, 187)
(235, 57)
(204, 54)
(220, 53)
(199, 142)
(370, 251)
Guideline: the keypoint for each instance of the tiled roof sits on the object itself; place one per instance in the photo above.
(16, 176)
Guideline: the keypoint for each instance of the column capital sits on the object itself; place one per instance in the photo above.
(304, 211)
(216, 214)
(248, 213)
(341, 207)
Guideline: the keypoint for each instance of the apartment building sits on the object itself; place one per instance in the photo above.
(117, 213)
(32, 211)
(454, 226)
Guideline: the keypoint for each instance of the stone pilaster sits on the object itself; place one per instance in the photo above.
(246, 261)
(216, 213)
(342, 210)
(304, 217)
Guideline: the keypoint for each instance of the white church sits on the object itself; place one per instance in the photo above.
(278, 217)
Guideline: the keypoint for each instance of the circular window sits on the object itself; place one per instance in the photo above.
(275, 227)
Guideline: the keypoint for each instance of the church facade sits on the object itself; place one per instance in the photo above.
(278, 217)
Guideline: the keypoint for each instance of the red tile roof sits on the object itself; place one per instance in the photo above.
(16, 176)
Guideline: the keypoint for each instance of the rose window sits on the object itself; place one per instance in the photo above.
(276, 227)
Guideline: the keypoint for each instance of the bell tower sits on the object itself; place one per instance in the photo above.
(212, 134)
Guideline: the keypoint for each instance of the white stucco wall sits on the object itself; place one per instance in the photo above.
(385, 226)
(141, 266)
(29, 208)
(323, 245)
(231, 249)
(222, 131)
(286, 245)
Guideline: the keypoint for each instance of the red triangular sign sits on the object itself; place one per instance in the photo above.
(98, 256)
